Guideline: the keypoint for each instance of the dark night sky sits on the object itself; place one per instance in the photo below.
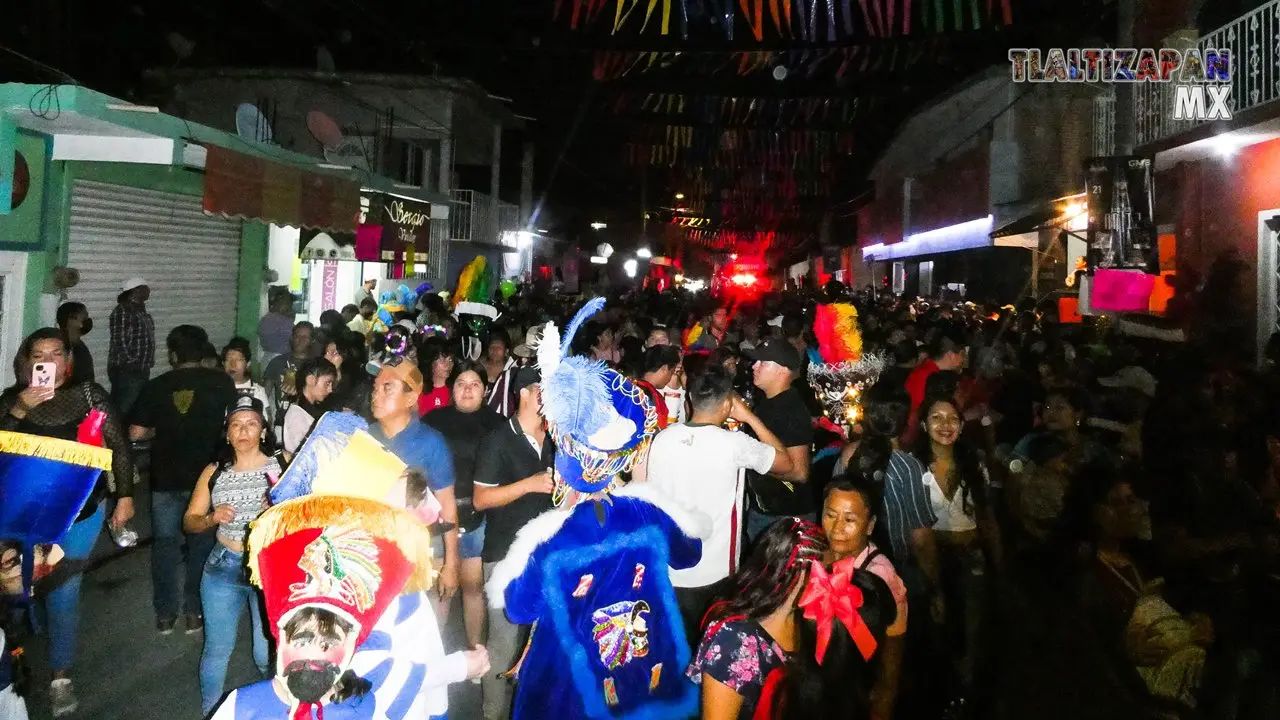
(514, 49)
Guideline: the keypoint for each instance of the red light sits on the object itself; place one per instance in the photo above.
(743, 279)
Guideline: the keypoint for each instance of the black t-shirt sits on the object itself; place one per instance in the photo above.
(787, 417)
(186, 407)
(506, 457)
(464, 431)
(81, 364)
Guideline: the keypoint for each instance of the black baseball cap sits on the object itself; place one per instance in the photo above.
(245, 402)
(777, 351)
(524, 377)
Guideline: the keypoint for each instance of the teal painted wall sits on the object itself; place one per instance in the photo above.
(42, 227)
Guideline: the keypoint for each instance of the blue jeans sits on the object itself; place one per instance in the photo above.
(62, 604)
(167, 561)
(126, 385)
(224, 595)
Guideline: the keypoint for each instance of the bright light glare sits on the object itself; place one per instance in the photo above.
(604, 250)
(694, 285)
(598, 226)
(733, 256)
(1076, 216)
(644, 253)
(597, 260)
(744, 279)
(679, 196)
(629, 267)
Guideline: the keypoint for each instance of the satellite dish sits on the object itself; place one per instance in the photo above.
(251, 124)
(324, 60)
(324, 129)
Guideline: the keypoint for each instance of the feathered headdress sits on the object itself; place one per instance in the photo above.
(471, 306)
(839, 380)
(600, 420)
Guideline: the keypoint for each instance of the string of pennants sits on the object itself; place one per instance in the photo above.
(772, 112)
(613, 65)
(746, 242)
(804, 20)
(739, 148)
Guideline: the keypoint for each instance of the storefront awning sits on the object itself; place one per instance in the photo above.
(1025, 231)
(242, 186)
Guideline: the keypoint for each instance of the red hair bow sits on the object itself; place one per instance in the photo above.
(832, 596)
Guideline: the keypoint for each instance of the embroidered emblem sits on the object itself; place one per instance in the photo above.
(182, 400)
(622, 632)
(341, 564)
(610, 692)
(655, 677)
(584, 584)
(638, 580)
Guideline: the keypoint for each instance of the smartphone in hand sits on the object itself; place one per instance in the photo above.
(42, 375)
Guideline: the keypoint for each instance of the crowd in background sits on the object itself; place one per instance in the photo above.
(1062, 520)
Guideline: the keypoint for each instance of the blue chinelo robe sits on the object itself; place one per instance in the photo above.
(609, 641)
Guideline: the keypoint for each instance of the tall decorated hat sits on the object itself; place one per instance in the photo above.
(472, 308)
(845, 371)
(601, 421)
(350, 556)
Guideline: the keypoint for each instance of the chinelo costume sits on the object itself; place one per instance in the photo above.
(44, 484)
(339, 539)
(608, 639)
(838, 381)
(471, 307)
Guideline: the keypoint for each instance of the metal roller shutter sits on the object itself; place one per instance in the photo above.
(190, 259)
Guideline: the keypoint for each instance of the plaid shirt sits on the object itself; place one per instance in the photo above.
(133, 339)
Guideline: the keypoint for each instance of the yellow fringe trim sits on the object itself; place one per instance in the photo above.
(47, 448)
(321, 511)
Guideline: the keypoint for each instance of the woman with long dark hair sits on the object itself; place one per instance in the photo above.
(771, 649)
(956, 480)
(229, 495)
(57, 410)
(315, 380)
(435, 361)
(353, 390)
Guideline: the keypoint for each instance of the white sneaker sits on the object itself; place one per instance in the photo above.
(62, 698)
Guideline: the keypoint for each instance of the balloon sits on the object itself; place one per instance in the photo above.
(507, 288)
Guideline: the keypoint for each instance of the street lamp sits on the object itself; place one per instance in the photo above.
(644, 253)
(629, 267)
(679, 196)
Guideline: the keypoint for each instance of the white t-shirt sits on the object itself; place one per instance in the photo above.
(952, 515)
(700, 467)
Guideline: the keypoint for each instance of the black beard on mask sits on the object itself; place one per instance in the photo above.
(310, 680)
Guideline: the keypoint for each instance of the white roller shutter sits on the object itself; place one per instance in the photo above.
(191, 261)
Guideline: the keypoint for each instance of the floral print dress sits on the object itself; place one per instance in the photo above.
(739, 654)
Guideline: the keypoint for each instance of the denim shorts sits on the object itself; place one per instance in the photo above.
(470, 543)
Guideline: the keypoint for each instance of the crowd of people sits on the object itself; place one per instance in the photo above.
(1019, 518)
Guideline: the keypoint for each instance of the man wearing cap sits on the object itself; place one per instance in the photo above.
(395, 412)
(781, 409)
(132, 350)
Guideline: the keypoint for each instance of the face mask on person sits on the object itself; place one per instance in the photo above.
(310, 680)
(86, 326)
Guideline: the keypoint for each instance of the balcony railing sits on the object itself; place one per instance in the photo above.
(1252, 40)
(1104, 123)
(480, 217)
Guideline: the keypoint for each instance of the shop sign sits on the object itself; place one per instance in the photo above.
(1120, 201)
(406, 225)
